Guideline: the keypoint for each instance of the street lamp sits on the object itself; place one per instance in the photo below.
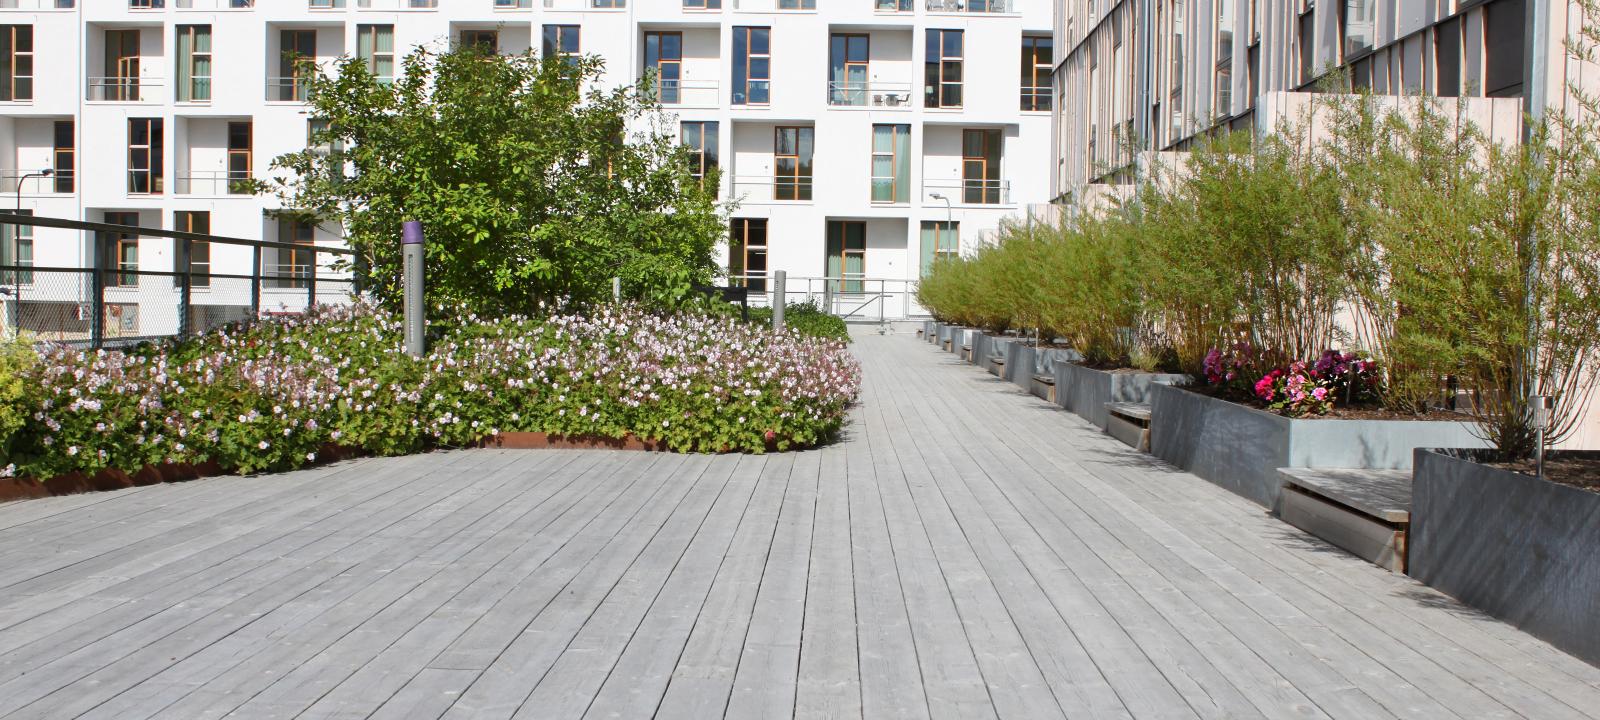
(47, 172)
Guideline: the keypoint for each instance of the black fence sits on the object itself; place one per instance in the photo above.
(109, 294)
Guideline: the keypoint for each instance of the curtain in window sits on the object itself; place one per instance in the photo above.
(202, 63)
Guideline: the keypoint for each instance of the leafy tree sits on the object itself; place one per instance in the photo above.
(532, 184)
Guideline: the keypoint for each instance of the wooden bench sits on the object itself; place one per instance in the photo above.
(1366, 512)
(1130, 423)
(1043, 387)
(997, 365)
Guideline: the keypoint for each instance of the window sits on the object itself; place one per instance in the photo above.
(1502, 30)
(893, 5)
(297, 48)
(752, 66)
(1223, 78)
(1036, 64)
(318, 138)
(146, 4)
(119, 251)
(146, 148)
(239, 142)
(1305, 40)
(702, 4)
(194, 63)
(1254, 68)
(943, 69)
(16, 62)
(940, 240)
(1447, 58)
(847, 254)
(797, 4)
(701, 139)
(16, 251)
(980, 166)
(291, 267)
(747, 253)
(375, 46)
(65, 155)
(1360, 27)
(663, 54)
(891, 163)
(121, 82)
(847, 69)
(486, 41)
(199, 222)
(561, 41)
(791, 151)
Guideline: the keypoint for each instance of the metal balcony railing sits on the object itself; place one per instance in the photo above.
(30, 182)
(967, 191)
(34, 5)
(125, 89)
(852, 296)
(688, 93)
(216, 4)
(870, 94)
(969, 6)
(214, 183)
(767, 188)
(288, 89)
(889, 6)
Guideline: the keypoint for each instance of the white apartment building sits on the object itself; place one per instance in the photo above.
(859, 138)
(1143, 76)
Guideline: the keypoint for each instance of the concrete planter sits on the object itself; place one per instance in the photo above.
(1045, 359)
(948, 338)
(1241, 448)
(1021, 361)
(994, 355)
(1515, 546)
(1086, 391)
(930, 330)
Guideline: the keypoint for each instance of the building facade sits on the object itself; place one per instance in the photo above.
(1137, 76)
(859, 138)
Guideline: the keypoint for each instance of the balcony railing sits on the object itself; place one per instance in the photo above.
(767, 188)
(216, 4)
(969, 6)
(33, 5)
(889, 6)
(214, 183)
(967, 192)
(32, 183)
(870, 94)
(848, 295)
(397, 4)
(691, 93)
(288, 89)
(125, 89)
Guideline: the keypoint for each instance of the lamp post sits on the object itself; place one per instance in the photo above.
(47, 172)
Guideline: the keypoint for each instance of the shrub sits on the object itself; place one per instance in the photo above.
(272, 395)
(808, 319)
(16, 359)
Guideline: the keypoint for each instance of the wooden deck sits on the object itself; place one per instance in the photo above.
(968, 551)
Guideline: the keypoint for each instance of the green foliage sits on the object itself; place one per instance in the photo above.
(528, 185)
(273, 395)
(16, 359)
(807, 319)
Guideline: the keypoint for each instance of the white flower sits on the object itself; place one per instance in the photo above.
(263, 445)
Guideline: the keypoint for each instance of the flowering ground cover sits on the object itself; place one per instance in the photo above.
(275, 394)
(1244, 373)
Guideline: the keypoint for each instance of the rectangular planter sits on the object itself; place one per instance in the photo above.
(1241, 448)
(1046, 359)
(930, 331)
(1021, 361)
(1086, 391)
(1515, 546)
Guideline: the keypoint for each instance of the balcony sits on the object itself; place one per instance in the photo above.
(288, 89)
(966, 192)
(573, 5)
(873, 94)
(688, 93)
(214, 183)
(894, 6)
(32, 184)
(32, 5)
(970, 6)
(216, 4)
(768, 188)
(397, 4)
(143, 89)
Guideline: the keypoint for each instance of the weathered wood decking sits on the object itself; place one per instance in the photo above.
(968, 551)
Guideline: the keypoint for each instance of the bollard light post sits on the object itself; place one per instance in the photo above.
(780, 294)
(1540, 404)
(411, 250)
(616, 290)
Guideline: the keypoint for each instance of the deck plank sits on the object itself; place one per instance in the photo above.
(965, 550)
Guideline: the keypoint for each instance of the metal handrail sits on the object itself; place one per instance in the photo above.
(872, 92)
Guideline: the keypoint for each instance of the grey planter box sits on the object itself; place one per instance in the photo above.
(1517, 547)
(1045, 359)
(1241, 448)
(1086, 391)
(930, 331)
(994, 349)
(1021, 362)
(949, 337)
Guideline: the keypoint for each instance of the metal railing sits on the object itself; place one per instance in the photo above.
(34, 5)
(697, 93)
(32, 183)
(288, 89)
(767, 188)
(111, 298)
(216, 183)
(970, 6)
(873, 93)
(887, 6)
(125, 89)
(851, 296)
(968, 192)
(216, 4)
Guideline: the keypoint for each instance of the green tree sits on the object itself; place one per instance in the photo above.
(532, 184)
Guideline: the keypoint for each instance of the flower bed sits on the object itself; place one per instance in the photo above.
(271, 396)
